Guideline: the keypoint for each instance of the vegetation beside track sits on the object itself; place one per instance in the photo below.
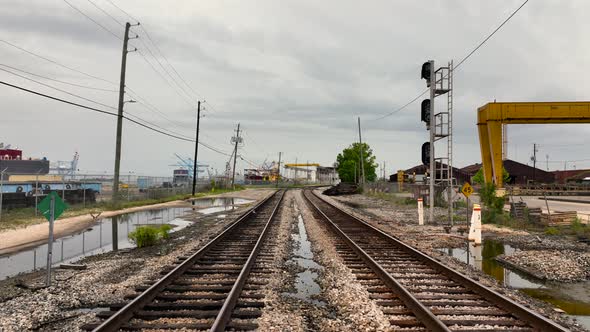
(23, 217)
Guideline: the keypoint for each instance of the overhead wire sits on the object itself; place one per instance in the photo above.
(105, 12)
(58, 64)
(128, 89)
(93, 20)
(60, 90)
(460, 62)
(159, 51)
(58, 81)
(94, 109)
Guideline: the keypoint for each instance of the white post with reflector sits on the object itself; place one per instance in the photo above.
(475, 228)
(420, 212)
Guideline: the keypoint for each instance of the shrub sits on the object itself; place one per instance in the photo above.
(552, 231)
(145, 236)
(494, 205)
(164, 231)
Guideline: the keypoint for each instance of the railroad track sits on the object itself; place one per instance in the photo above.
(216, 288)
(415, 291)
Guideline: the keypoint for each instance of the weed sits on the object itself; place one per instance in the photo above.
(460, 204)
(165, 231)
(552, 231)
(145, 236)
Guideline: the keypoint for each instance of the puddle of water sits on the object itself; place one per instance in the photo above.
(106, 235)
(573, 298)
(305, 283)
(214, 205)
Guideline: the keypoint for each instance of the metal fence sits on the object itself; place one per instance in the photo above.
(89, 188)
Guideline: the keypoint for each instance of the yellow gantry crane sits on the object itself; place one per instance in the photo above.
(492, 116)
(302, 165)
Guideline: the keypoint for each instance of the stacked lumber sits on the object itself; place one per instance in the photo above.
(558, 218)
(517, 210)
(535, 215)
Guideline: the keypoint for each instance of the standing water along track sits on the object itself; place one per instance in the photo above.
(217, 287)
(416, 292)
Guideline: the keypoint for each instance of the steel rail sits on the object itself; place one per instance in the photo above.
(229, 304)
(424, 315)
(533, 318)
(114, 322)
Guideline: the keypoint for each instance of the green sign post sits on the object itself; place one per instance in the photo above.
(51, 207)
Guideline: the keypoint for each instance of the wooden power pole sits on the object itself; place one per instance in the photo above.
(362, 181)
(195, 165)
(120, 114)
(237, 139)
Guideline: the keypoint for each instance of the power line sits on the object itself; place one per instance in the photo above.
(56, 80)
(148, 49)
(124, 12)
(460, 62)
(57, 63)
(128, 89)
(93, 20)
(112, 114)
(146, 104)
(189, 102)
(490, 35)
(58, 89)
(168, 62)
(106, 13)
(403, 107)
(167, 72)
(157, 48)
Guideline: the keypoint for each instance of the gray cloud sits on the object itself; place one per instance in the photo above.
(296, 74)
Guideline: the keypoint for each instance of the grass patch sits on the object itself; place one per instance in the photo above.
(145, 236)
(392, 198)
(552, 231)
(19, 218)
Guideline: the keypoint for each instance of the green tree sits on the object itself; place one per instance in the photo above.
(478, 177)
(349, 165)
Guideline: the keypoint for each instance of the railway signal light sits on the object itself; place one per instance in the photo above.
(426, 72)
(426, 153)
(425, 112)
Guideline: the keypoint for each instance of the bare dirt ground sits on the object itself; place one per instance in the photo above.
(34, 235)
(76, 296)
(401, 222)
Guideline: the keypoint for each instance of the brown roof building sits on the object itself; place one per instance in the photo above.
(574, 175)
(519, 173)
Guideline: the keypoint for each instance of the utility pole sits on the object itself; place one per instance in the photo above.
(195, 166)
(534, 161)
(1, 190)
(278, 171)
(120, 113)
(237, 139)
(362, 159)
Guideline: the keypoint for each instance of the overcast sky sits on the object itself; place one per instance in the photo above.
(295, 74)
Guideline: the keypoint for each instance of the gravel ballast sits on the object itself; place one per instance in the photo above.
(76, 296)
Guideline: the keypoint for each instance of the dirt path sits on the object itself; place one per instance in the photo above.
(19, 239)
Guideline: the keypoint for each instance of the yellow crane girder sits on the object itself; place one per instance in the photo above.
(301, 165)
(491, 116)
